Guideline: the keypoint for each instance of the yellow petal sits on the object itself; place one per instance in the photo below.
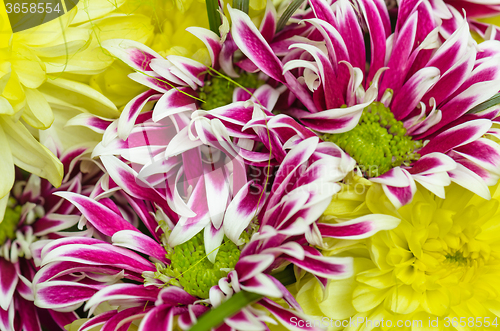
(45, 33)
(5, 71)
(74, 40)
(5, 28)
(5, 107)
(338, 303)
(37, 112)
(75, 326)
(6, 165)
(94, 9)
(403, 300)
(14, 92)
(3, 205)
(436, 303)
(79, 95)
(29, 154)
(28, 67)
(67, 137)
(133, 27)
(258, 4)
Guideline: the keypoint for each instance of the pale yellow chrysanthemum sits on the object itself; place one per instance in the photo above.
(438, 270)
(22, 72)
(43, 74)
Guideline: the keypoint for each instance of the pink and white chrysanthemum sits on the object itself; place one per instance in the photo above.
(475, 10)
(31, 215)
(405, 117)
(197, 159)
(168, 282)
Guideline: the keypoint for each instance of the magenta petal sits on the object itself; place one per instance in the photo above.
(323, 11)
(210, 39)
(104, 255)
(102, 218)
(359, 228)
(251, 265)
(242, 320)
(64, 296)
(188, 70)
(473, 178)
(378, 34)
(122, 320)
(410, 94)
(95, 123)
(432, 163)
(254, 46)
(8, 282)
(63, 319)
(28, 315)
(334, 120)
(7, 318)
(399, 63)
(483, 152)
(98, 320)
(123, 292)
(158, 318)
(243, 207)
(133, 53)
(289, 318)
(140, 243)
(452, 49)
(323, 266)
(173, 102)
(261, 284)
(174, 296)
(350, 28)
(128, 180)
(398, 185)
(457, 136)
(268, 24)
(131, 111)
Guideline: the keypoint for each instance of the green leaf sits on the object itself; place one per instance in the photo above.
(215, 317)
(292, 8)
(495, 100)
(214, 19)
(242, 5)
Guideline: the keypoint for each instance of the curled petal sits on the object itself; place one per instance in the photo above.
(359, 228)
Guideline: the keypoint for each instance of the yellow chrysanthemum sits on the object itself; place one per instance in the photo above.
(438, 270)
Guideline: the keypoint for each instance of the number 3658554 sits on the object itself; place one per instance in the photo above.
(26, 7)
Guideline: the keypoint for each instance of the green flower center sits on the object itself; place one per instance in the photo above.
(192, 269)
(457, 258)
(378, 143)
(218, 91)
(8, 225)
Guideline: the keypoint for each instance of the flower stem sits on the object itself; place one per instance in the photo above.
(292, 7)
(213, 15)
(494, 100)
(240, 300)
(242, 5)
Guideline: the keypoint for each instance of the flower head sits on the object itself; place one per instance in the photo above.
(407, 116)
(440, 262)
(183, 274)
(31, 215)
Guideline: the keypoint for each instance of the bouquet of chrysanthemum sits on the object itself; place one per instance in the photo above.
(316, 165)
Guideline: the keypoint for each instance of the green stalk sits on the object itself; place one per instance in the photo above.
(240, 300)
(292, 8)
(213, 15)
(242, 5)
(495, 100)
